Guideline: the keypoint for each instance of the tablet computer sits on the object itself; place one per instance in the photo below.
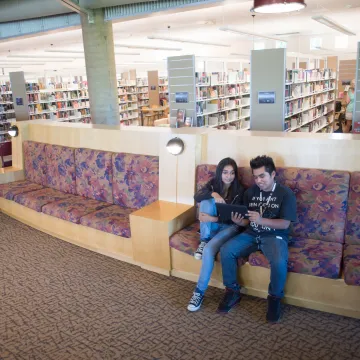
(225, 210)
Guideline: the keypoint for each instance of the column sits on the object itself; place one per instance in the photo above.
(101, 69)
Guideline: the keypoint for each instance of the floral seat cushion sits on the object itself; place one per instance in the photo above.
(352, 264)
(113, 219)
(10, 190)
(73, 208)
(37, 199)
(60, 166)
(136, 180)
(352, 235)
(187, 240)
(94, 174)
(310, 257)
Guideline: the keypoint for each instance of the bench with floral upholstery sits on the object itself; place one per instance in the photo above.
(317, 238)
(352, 235)
(93, 188)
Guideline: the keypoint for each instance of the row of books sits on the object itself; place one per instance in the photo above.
(303, 104)
(6, 107)
(5, 87)
(302, 75)
(4, 98)
(218, 78)
(219, 91)
(66, 95)
(305, 89)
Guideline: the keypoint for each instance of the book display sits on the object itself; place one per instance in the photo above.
(309, 100)
(60, 103)
(7, 112)
(128, 102)
(223, 100)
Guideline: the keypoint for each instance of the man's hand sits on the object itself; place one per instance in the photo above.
(255, 217)
(203, 217)
(237, 218)
(218, 198)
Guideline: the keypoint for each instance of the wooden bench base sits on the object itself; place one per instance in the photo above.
(99, 241)
(312, 292)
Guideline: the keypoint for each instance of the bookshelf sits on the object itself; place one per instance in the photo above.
(163, 86)
(60, 103)
(128, 102)
(223, 100)
(309, 100)
(7, 112)
(142, 85)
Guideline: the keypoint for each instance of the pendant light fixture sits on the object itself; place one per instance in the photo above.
(278, 6)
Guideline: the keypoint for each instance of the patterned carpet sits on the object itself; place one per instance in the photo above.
(62, 302)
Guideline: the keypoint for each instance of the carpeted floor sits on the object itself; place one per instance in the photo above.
(59, 301)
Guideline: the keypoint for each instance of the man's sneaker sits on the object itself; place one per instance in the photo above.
(274, 309)
(199, 251)
(230, 299)
(195, 301)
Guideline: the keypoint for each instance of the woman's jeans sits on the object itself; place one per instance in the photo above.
(215, 234)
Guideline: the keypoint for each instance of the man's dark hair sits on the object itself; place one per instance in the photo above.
(261, 161)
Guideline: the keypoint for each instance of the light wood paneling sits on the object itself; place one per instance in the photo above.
(301, 290)
(151, 228)
(10, 174)
(153, 81)
(319, 151)
(89, 238)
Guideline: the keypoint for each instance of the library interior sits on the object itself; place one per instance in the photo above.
(143, 144)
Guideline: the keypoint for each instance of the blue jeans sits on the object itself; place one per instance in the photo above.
(209, 229)
(275, 249)
(215, 234)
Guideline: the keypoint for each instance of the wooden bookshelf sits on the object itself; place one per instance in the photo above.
(60, 103)
(223, 100)
(128, 102)
(310, 100)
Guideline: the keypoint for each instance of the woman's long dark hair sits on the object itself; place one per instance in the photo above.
(219, 185)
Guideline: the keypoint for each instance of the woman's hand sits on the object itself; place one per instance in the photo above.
(203, 217)
(218, 198)
(237, 218)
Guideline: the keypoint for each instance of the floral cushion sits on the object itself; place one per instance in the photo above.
(94, 174)
(187, 240)
(113, 219)
(60, 164)
(73, 208)
(9, 190)
(37, 199)
(352, 264)
(136, 180)
(34, 162)
(310, 257)
(204, 173)
(352, 234)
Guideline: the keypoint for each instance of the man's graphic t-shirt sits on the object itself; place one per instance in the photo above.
(281, 205)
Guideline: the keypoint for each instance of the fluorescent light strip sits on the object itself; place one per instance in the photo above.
(186, 41)
(82, 52)
(41, 57)
(249, 34)
(332, 24)
(29, 61)
(146, 47)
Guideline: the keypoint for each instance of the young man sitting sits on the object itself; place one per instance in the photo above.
(271, 208)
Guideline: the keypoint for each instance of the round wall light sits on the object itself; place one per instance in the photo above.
(277, 6)
(175, 146)
(13, 131)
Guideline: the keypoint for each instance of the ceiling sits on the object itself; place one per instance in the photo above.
(196, 25)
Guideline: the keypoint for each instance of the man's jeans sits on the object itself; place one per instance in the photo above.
(215, 234)
(275, 249)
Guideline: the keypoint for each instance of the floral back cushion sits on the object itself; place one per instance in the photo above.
(60, 163)
(34, 161)
(94, 174)
(321, 202)
(204, 173)
(352, 235)
(136, 180)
